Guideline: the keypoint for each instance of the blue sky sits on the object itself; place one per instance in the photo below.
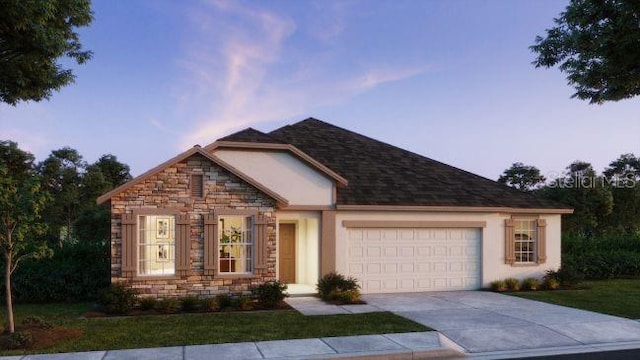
(451, 80)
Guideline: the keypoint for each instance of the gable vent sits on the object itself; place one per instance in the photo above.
(197, 186)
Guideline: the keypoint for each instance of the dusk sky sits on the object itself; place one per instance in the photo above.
(451, 80)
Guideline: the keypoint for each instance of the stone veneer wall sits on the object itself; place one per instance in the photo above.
(170, 189)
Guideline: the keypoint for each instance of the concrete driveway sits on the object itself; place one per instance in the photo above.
(482, 321)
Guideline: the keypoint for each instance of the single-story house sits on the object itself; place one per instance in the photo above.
(310, 198)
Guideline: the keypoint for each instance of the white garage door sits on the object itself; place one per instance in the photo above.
(409, 260)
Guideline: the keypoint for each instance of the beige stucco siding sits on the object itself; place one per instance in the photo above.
(492, 240)
(283, 173)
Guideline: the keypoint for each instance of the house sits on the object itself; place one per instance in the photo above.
(310, 198)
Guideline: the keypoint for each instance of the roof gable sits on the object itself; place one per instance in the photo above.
(183, 156)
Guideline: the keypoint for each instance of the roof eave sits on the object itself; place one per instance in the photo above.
(475, 209)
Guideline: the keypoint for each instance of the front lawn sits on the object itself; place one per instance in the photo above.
(208, 328)
(620, 297)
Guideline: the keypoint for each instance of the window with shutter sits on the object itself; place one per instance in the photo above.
(238, 244)
(525, 241)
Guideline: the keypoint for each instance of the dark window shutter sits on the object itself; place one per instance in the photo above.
(542, 240)
(183, 244)
(210, 247)
(509, 244)
(260, 228)
(197, 186)
(128, 245)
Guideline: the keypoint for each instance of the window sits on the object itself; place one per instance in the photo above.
(525, 240)
(156, 245)
(236, 244)
(197, 186)
(525, 236)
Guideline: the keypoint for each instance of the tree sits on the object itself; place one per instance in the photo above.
(105, 174)
(62, 177)
(21, 204)
(623, 176)
(596, 44)
(587, 193)
(34, 35)
(522, 177)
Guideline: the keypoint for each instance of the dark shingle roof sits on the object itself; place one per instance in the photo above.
(382, 174)
(251, 135)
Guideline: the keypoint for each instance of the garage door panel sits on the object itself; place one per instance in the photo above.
(406, 260)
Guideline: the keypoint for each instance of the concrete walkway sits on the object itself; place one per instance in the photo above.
(397, 346)
(485, 322)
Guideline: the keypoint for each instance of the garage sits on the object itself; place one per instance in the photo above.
(414, 259)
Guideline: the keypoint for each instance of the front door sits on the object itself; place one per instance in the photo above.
(287, 253)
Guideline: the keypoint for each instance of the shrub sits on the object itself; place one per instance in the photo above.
(243, 302)
(345, 297)
(147, 303)
(550, 282)
(76, 272)
(530, 284)
(37, 322)
(118, 299)
(190, 303)
(19, 340)
(209, 304)
(168, 306)
(270, 294)
(334, 282)
(224, 301)
(512, 284)
(498, 286)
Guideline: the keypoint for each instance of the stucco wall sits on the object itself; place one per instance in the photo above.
(492, 242)
(282, 173)
(170, 189)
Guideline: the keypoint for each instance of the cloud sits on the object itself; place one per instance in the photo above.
(245, 66)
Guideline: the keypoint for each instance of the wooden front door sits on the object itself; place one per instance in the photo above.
(287, 253)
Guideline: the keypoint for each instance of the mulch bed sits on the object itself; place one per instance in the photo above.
(42, 337)
(137, 312)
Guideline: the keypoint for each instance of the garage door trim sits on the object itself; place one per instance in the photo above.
(412, 224)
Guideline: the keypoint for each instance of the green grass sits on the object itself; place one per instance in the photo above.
(620, 297)
(210, 328)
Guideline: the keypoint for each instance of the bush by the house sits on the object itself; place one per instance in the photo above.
(118, 299)
(512, 284)
(550, 283)
(530, 284)
(498, 286)
(224, 301)
(331, 286)
(168, 306)
(147, 303)
(209, 304)
(190, 303)
(345, 297)
(242, 302)
(270, 294)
